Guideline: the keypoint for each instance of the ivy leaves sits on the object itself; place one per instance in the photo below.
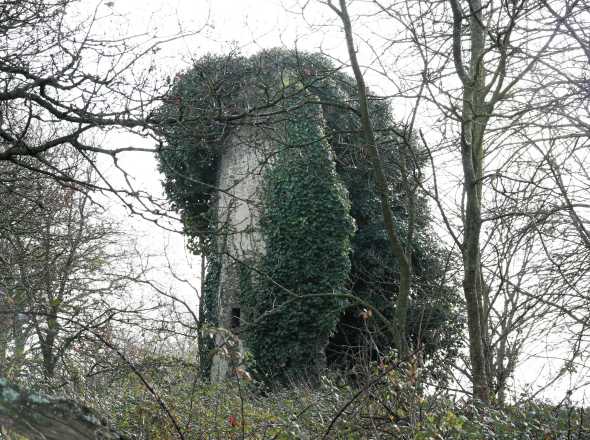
(307, 228)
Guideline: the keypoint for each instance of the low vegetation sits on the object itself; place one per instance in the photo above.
(393, 402)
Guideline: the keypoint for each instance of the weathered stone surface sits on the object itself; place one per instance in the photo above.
(39, 417)
(238, 203)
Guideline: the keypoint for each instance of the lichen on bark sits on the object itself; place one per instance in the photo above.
(36, 416)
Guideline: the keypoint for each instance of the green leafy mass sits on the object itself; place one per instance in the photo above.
(327, 254)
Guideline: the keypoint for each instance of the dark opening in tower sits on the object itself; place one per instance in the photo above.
(234, 323)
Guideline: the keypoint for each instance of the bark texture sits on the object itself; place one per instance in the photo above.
(39, 417)
(474, 118)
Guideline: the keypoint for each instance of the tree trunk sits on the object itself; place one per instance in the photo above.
(401, 309)
(474, 118)
(39, 417)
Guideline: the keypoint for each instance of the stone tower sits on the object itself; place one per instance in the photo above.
(240, 242)
(264, 162)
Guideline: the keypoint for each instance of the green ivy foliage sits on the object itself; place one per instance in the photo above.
(193, 134)
(305, 96)
(434, 317)
(307, 227)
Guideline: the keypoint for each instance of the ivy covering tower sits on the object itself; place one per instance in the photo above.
(262, 158)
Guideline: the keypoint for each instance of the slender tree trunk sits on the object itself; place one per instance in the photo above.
(403, 255)
(5, 324)
(48, 347)
(19, 338)
(401, 309)
(473, 123)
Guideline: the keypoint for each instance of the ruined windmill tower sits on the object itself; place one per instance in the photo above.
(283, 238)
(250, 207)
(249, 166)
(263, 159)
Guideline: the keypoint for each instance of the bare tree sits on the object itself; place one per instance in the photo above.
(63, 266)
(401, 248)
(63, 83)
(486, 71)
